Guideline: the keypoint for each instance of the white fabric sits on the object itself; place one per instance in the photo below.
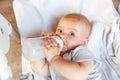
(79, 54)
(106, 66)
(41, 15)
(5, 30)
(5, 70)
(34, 16)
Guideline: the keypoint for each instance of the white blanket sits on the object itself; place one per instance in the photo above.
(34, 16)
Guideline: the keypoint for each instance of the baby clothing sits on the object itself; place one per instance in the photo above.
(103, 67)
(79, 54)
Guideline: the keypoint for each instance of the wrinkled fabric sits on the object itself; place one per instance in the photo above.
(34, 16)
(80, 54)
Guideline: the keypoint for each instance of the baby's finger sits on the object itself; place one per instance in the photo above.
(53, 43)
(42, 34)
(44, 47)
(52, 34)
(49, 40)
(46, 41)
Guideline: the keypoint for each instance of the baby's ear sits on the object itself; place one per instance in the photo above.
(85, 42)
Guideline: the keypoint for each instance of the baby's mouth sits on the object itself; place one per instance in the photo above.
(64, 43)
(65, 48)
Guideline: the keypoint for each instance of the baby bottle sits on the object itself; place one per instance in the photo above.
(32, 50)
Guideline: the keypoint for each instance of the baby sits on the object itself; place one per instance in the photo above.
(75, 61)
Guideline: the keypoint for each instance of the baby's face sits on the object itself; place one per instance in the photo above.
(71, 33)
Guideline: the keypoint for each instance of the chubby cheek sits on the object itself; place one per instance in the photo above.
(72, 44)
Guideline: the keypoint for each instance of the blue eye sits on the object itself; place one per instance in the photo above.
(59, 30)
(72, 34)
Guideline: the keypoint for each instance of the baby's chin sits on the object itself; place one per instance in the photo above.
(68, 49)
(65, 49)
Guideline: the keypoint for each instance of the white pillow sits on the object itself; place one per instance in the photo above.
(34, 16)
(100, 10)
(97, 40)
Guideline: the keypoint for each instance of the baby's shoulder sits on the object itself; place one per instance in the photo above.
(80, 49)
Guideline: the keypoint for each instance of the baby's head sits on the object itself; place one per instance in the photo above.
(74, 29)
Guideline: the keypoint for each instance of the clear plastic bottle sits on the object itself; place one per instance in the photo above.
(32, 50)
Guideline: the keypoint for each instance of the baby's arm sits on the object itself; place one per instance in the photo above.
(40, 67)
(71, 70)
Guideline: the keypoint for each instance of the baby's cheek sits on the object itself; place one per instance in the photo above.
(74, 44)
(70, 44)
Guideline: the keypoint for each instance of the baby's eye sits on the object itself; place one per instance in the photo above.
(72, 34)
(59, 31)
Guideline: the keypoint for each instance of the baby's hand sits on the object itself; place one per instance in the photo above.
(46, 34)
(51, 48)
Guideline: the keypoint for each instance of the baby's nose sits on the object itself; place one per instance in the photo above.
(63, 36)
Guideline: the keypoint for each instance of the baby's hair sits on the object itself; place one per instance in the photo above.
(79, 18)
